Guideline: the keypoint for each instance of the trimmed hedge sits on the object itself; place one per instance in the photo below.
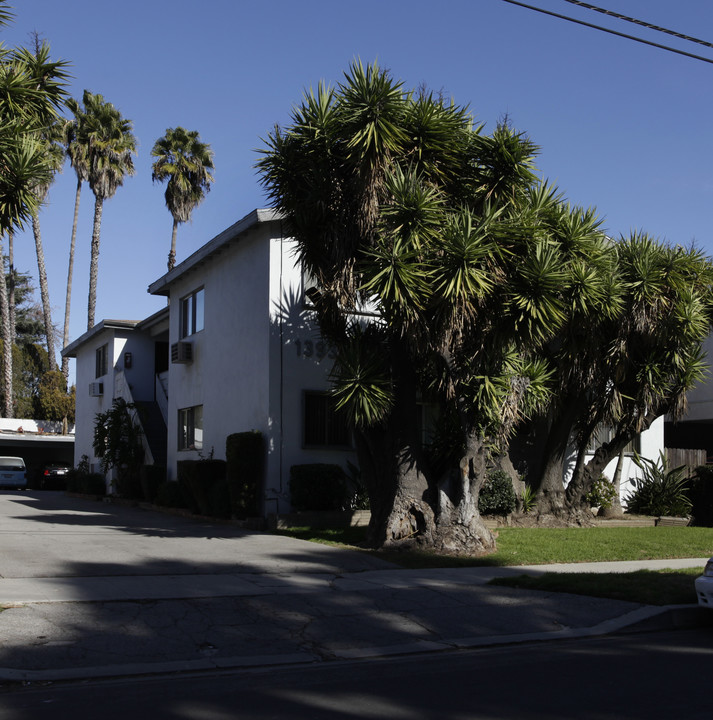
(85, 483)
(319, 486)
(169, 494)
(152, 477)
(200, 481)
(245, 468)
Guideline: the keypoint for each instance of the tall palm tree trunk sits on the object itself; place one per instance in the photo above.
(7, 344)
(11, 281)
(70, 273)
(94, 262)
(172, 253)
(44, 292)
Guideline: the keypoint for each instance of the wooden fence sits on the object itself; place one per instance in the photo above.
(682, 456)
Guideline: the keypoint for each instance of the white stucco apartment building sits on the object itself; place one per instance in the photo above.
(233, 351)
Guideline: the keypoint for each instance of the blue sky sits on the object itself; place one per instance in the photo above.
(622, 126)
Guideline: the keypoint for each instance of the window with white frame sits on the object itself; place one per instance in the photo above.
(190, 428)
(101, 359)
(323, 425)
(191, 313)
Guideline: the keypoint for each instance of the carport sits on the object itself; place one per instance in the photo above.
(37, 450)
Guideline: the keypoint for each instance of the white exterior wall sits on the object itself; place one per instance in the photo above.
(87, 406)
(246, 371)
(140, 376)
(300, 361)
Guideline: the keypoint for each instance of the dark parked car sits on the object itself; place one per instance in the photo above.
(54, 476)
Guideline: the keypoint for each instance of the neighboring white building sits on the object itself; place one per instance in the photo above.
(233, 351)
(695, 430)
(649, 444)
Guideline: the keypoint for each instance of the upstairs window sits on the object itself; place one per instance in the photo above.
(191, 313)
(323, 426)
(101, 359)
(190, 428)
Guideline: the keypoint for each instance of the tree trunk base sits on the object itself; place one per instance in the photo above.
(566, 518)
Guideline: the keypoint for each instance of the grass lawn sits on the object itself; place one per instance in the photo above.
(538, 546)
(660, 587)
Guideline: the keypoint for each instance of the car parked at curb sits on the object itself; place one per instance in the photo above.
(704, 586)
(13, 473)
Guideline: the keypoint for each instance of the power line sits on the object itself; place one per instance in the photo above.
(611, 32)
(640, 22)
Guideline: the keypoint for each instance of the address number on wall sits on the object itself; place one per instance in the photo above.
(314, 349)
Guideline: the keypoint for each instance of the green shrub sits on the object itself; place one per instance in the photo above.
(661, 491)
(245, 463)
(169, 494)
(319, 486)
(700, 493)
(602, 493)
(197, 479)
(358, 493)
(219, 505)
(497, 496)
(85, 483)
(152, 476)
(528, 499)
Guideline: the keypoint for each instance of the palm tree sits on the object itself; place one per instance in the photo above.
(186, 162)
(77, 152)
(110, 145)
(31, 91)
(54, 155)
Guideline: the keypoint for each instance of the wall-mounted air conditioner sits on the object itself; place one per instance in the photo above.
(182, 352)
(96, 389)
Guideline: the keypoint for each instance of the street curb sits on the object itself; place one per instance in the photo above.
(647, 618)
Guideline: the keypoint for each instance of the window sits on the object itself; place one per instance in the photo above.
(191, 313)
(101, 361)
(605, 433)
(190, 428)
(310, 288)
(323, 426)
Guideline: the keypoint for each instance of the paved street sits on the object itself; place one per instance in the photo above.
(644, 676)
(95, 589)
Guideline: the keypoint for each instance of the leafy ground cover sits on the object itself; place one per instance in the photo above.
(652, 587)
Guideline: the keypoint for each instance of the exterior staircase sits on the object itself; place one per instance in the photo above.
(154, 428)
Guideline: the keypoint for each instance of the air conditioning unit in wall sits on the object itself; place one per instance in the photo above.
(96, 389)
(181, 352)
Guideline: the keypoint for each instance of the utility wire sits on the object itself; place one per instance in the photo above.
(611, 32)
(640, 22)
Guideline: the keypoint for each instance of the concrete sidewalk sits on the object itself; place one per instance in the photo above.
(110, 591)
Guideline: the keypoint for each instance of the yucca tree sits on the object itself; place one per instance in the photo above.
(110, 146)
(397, 201)
(31, 92)
(653, 354)
(78, 154)
(186, 163)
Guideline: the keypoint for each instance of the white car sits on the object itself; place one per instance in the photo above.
(13, 473)
(704, 586)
